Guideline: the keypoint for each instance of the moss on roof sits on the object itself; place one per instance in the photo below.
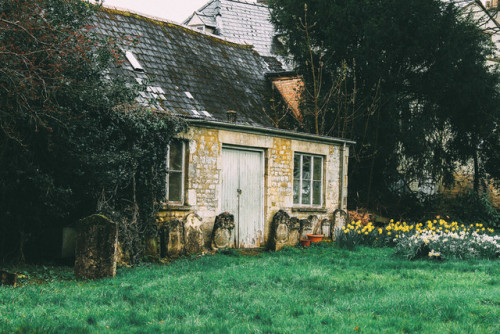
(176, 26)
(218, 75)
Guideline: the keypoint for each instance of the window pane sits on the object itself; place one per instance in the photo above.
(318, 166)
(306, 192)
(306, 168)
(296, 166)
(296, 191)
(317, 192)
(175, 186)
(175, 162)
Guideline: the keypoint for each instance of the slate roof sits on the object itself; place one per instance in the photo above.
(192, 74)
(242, 22)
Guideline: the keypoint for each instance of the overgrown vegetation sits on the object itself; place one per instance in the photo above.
(319, 289)
(407, 80)
(471, 207)
(73, 140)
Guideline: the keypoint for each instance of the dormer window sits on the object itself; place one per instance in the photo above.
(200, 28)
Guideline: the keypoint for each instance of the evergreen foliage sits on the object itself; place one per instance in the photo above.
(73, 141)
(407, 80)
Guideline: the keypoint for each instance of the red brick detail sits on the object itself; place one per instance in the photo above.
(291, 89)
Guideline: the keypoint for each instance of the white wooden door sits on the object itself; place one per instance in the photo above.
(243, 194)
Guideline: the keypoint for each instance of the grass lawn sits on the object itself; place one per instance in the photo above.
(322, 289)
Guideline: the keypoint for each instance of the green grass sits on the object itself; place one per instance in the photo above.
(322, 289)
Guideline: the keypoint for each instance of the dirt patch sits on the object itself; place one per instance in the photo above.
(251, 251)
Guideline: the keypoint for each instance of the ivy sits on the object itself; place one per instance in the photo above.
(73, 140)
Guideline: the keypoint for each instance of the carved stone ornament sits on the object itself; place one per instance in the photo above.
(193, 235)
(279, 230)
(221, 233)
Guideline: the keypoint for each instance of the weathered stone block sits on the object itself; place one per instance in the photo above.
(151, 248)
(340, 218)
(326, 228)
(172, 239)
(221, 234)
(315, 224)
(96, 248)
(194, 242)
(305, 228)
(279, 231)
(294, 232)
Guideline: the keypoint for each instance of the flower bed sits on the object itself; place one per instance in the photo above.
(435, 239)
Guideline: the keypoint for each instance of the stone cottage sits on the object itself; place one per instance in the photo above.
(231, 159)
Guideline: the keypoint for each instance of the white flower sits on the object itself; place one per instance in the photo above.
(434, 253)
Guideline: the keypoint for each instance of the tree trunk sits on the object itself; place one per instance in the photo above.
(22, 241)
(476, 172)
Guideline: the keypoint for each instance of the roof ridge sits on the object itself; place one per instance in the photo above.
(248, 2)
(205, 5)
(160, 21)
(201, 14)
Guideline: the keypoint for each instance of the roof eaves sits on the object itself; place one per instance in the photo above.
(281, 74)
(268, 131)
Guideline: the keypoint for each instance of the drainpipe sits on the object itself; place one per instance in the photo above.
(342, 213)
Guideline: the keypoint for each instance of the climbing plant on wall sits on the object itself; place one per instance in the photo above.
(73, 140)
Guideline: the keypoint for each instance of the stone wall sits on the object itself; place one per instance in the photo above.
(204, 166)
(279, 177)
(464, 182)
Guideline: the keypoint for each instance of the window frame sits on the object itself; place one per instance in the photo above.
(182, 171)
(311, 181)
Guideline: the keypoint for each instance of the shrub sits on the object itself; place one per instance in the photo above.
(73, 141)
(469, 208)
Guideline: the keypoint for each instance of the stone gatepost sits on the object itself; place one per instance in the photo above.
(193, 235)
(305, 228)
(96, 248)
(221, 234)
(326, 228)
(294, 232)
(279, 231)
(172, 239)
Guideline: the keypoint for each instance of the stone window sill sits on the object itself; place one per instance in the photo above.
(176, 207)
(309, 209)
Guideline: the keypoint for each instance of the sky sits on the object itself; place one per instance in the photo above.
(172, 10)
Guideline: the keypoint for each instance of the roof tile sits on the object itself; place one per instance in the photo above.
(220, 75)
